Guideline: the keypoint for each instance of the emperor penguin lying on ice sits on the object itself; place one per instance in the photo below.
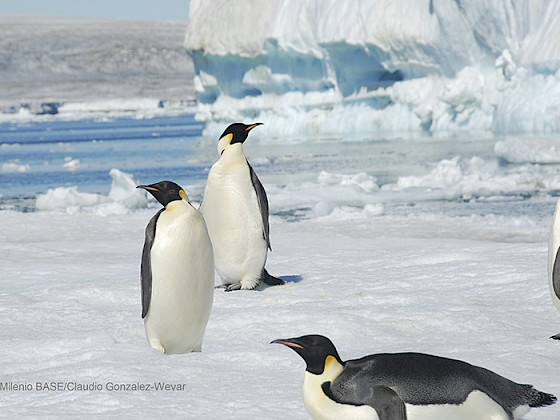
(405, 386)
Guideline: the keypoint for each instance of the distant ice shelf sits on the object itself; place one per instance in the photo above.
(348, 65)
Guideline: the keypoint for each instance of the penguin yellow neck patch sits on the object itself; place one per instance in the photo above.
(328, 361)
(332, 367)
(183, 195)
(224, 142)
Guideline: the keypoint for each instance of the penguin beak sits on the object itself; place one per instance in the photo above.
(147, 187)
(288, 342)
(249, 128)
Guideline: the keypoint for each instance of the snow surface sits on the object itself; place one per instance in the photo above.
(378, 255)
(431, 65)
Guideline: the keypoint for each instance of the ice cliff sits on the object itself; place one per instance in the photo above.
(348, 65)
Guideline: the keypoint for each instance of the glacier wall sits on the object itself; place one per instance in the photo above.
(332, 66)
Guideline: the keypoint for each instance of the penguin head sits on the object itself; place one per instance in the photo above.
(314, 349)
(165, 192)
(235, 133)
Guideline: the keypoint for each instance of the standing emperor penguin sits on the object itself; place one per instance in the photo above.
(406, 386)
(554, 260)
(235, 208)
(177, 273)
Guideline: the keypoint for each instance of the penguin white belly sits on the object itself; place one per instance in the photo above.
(182, 281)
(477, 406)
(231, 210)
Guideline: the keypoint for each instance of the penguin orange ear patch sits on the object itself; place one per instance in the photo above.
(183, 195)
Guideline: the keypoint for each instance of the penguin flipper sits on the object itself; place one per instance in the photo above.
(386, 402)
(556, 274)
(146, 266)
(270, 280)
(556, 282)
(263, 203)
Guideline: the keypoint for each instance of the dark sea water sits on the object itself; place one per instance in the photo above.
(439, 176)
(66, 153)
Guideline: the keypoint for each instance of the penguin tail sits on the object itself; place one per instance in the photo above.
(270, 280)
(541, 399)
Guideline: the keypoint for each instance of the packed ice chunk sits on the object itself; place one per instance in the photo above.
(124, 191)
(122, 197)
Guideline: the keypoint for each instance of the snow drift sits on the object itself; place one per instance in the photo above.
(333, 65)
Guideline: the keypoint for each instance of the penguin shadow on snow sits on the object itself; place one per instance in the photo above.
(293, 278)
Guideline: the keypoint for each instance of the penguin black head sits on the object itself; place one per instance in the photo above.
(165, 192)
(235, 133)
(314, 349)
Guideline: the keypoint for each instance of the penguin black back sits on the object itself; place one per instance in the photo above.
(422, 378)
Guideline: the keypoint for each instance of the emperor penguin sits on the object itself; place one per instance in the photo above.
(554, 260)
(177, 273)
(235, 207)
(406, 386)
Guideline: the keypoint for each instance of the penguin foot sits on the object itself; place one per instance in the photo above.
(229, 287)
(232, 287)
(556, 337)
(271, 280)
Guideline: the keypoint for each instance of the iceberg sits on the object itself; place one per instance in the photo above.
(334, 66)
